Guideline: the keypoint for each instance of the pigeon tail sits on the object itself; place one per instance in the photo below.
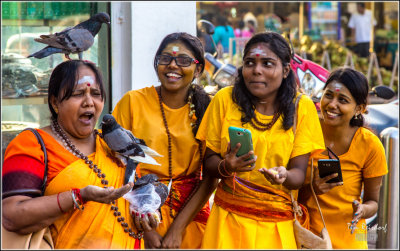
(47, 51)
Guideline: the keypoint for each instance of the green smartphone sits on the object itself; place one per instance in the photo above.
(242, 136)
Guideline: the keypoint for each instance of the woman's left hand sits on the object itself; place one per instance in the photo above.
(358, 212)
(145, 222)
(276, 175)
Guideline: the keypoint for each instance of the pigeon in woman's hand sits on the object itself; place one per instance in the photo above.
(75, 39)
(125, 143)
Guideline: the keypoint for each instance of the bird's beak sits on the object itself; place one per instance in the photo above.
(108, 24)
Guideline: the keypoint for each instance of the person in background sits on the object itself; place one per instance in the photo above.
(361, 24)
(342, 104)
(248, 15)
(260, 19)
(241, 30)
(223, 32)
(252, 205)
(167, 117)
(82, 203)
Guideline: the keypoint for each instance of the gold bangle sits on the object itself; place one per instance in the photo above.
(219, 171)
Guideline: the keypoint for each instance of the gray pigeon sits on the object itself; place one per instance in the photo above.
(75, 39)
(125, 143)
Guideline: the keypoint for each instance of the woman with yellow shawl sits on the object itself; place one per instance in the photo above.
(167, 118)
(344, 208)
(82, 203)
(252, 206)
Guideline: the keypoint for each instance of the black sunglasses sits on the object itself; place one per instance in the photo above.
(180, 61)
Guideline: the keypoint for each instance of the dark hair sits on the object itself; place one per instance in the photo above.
(63, 79)
(362, 5)
(286, 92)
(357, 84)
(200, 98)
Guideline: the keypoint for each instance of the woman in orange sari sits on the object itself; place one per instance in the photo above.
(362, 160)
(82, 203)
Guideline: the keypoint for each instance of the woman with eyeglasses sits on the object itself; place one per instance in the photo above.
(167, 117)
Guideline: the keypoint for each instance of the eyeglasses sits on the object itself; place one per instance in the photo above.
(180, 61)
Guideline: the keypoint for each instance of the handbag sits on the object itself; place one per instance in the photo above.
(38, 240)
(305, 239)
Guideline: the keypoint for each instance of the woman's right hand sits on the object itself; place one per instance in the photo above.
(319, 184)
(238, 164)
(104, 195)
(152, 240)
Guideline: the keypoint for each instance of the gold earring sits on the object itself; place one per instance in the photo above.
(55, 109)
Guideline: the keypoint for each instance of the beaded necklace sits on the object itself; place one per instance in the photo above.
(57, 130)
(262, 126)
(198, 176)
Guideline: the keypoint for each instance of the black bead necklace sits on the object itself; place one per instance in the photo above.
(57, 130)
(262, 126)
(170, 157)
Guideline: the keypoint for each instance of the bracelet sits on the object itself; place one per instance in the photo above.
(77, 199)
(219, 171)
(59, 205)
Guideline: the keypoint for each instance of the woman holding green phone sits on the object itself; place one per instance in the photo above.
(342, 104)
(252, 207)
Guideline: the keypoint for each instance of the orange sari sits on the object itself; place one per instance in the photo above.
(95, 227)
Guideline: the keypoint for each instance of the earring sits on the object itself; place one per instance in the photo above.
(55, 109)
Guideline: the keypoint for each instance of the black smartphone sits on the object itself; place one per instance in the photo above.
(330, 166)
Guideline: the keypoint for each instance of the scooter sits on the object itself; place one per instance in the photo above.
(218, 73)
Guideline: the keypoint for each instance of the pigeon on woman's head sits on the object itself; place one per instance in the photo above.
(75, 39)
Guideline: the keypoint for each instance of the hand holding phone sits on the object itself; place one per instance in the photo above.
(242, 136)
(240, 159)
(330, 166)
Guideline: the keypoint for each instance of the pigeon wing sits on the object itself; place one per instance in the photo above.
(78, 40)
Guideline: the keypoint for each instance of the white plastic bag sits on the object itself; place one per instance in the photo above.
(143, 199)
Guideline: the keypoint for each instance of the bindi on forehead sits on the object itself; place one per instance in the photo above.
(175, 49)
(88, 80)
(337, 86)
(257, 51)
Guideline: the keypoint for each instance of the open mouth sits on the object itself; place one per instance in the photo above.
(332, 114)
(173, 76)
(87, 116)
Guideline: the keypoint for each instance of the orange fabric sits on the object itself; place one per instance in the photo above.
(26, 144)
(364, 159)
(95, 227)
(181, 188)
(259, 203)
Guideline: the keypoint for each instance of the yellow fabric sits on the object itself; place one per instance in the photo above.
(192, 235)
(139, 111)
(273, 147)
(95, 227)
(364, 159)
(226, 230)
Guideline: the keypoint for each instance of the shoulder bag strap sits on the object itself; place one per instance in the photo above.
(312, 190)
(40, 140)
(295, 204)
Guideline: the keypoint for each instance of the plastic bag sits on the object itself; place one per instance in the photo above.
(143, 199)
